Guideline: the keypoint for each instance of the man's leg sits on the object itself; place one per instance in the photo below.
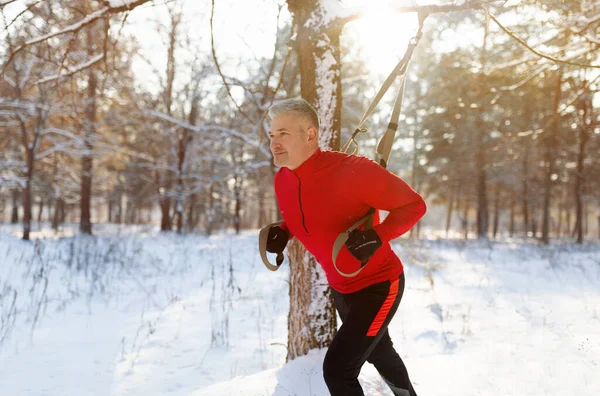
(391, 367)
(365, 315)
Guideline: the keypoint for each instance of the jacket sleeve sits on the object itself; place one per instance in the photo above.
(381, 189)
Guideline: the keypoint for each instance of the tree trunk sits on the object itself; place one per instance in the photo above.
(211, 210)
(27, 196)
(237, 217)
(583, 137)
(181, 151)
(550, 142)
(482, 201)
(262, 212)
(497, 211)
(59, 213)
(119, 215)
(85, 223)
(41, 210)
(568, 225)
(310, 324)
(14, 218)
(560, 218)
(2, 207)
(465, 222)
(585, 219)
(511, 227)
(534, 222)
(165, 207)
(450, 209)
(525, 190)
(525, 168)
(312, 319)
(189, 224)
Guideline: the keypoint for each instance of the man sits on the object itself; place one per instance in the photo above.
(320, 195)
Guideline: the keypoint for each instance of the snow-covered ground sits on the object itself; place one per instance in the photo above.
(134, 312)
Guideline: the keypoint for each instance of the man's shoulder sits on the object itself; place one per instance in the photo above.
(341, 157)
(348, 159)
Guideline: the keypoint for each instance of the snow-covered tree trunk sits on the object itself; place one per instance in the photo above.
(312, 320)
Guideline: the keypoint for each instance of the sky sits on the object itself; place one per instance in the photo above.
(247, 29)
(134, 311)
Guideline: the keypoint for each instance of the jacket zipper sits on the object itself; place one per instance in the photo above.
(300, 202)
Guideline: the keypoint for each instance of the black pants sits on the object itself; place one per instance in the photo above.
(362, 337)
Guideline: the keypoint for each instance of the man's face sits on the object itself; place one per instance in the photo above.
(292, 140)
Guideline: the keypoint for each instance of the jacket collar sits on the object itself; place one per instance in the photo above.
(311, 165)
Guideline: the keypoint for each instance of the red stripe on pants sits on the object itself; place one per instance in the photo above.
(384, 310)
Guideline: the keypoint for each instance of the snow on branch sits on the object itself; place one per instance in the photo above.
(591, 39)
(205, 129)
(72, 70)
(587, 22)
(59, 148)
(111, 7)
(12, 181)
(6, 2)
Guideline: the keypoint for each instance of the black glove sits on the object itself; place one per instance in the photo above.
(276, 242)
(363, 244)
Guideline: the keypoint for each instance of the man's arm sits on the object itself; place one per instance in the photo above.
(381, 189)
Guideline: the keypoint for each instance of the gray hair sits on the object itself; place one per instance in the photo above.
(299, 107)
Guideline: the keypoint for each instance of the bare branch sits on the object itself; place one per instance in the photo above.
(212, 44)
(72, 70)
(76, 27)
(29, 7)
(541, 55)
(6, 2)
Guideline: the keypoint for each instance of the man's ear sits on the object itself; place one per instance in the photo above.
(312, 134)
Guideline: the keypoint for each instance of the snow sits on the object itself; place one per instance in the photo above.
(132, 311)
(120, 3)
(326, 74)
(73, 69)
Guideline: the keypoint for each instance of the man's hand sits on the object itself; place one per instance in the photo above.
(277, 241)
(363, 244)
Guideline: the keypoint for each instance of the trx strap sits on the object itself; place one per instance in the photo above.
(262, 246)
(384, 148)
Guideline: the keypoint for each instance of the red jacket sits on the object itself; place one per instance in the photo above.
(328, 193)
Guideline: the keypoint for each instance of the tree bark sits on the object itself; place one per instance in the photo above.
(312, 319)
